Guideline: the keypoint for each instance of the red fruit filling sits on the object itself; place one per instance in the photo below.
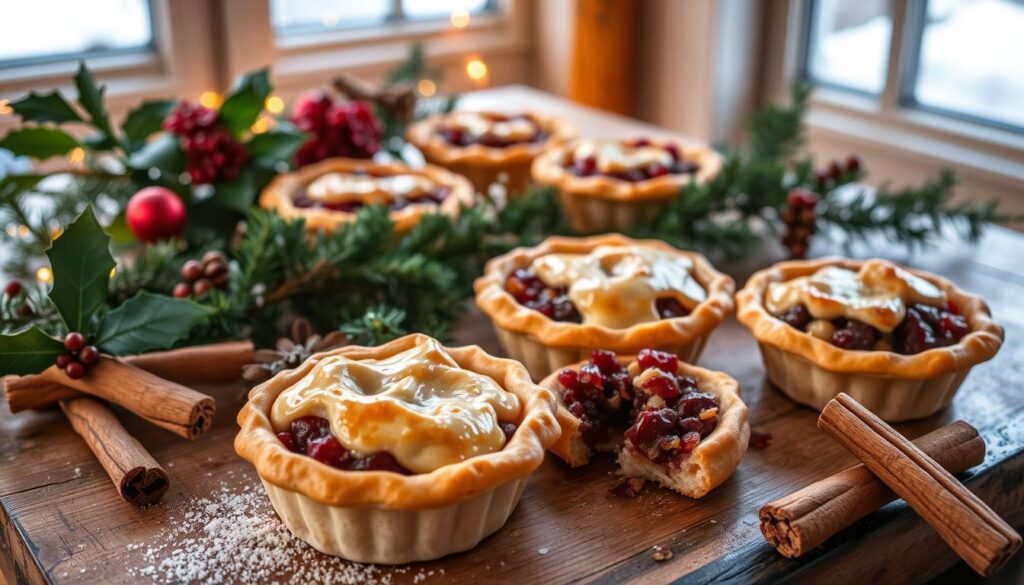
(457, 136)
(312, 436)
(924, 327)
(437, 197)
(586, 167)
(665, 413)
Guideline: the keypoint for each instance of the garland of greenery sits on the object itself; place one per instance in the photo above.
(365, 278)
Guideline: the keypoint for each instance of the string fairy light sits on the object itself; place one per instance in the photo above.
(476, 69)
(460, 18)
(274, 104)
(426, 87)
(210, 99)
(44, 274)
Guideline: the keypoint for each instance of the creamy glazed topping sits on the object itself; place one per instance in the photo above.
(335, 188)
(878, 294)
(617, 287)
(615, 157)
(519, 129)
(418, 405)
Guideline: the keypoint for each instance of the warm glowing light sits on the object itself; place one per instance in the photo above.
(262, 125)
(55, 233)
(44, 274)
(426, 87)
(113, 271)
(23, 231)
(460, 18)
(76, 155)
(5, 108)
(476, 69)
(274, 104)
(210, 99)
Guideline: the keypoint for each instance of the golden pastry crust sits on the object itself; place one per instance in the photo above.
(980, 345)
(549, 169)
(537, 430)
(713, 460)
(279, 194)
(424, 136)
(507, 313)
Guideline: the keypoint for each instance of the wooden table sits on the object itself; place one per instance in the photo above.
(57, 522)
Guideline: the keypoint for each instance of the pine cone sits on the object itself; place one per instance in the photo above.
(290, 352)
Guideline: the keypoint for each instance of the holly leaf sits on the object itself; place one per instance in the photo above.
(244, 101)
(90, 96)
(236, 194)
(164, 153)
(144, 120)
(277, 144)
(148, 321)
(45, 107)
(80, 261)
(39, 142)
(28, 352)
(12, 186)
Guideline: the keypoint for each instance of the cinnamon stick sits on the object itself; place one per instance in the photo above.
(215, 363)
(138, 477)
(806, 518)
(166, 404)
(981, 538)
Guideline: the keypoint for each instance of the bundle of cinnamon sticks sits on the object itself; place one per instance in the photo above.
(892, 466)
(150, 386)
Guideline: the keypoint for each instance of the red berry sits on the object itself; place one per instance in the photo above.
(650, 358)
(182, 290)
(509, 429)
(13, 288)
(214, 256)
(663, 385)
(605, 361)
(89, 355)
(75, 370)
(191, 270)
(187, 119)
(673, 150)
(641, 142)
(801, 198)
(63, 360)
(286, 438)
(328, 450)
(74, 342)
(835, 170)
(854, 163)
(155, 213)
(569, 379)
(213, 155)
(202, 286)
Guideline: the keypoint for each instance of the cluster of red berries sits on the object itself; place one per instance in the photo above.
(211, 152)
(79, 356)
(13, 290)
(836, 172)
(799, 216)
(201, 275)
(336, 128)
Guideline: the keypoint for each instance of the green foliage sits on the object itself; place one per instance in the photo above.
(45, 107)
(28, 352)
(376, 326)
(90, 97)
(147, 321)
(81, 261)
(39, 142)
(244, 101)
(776, 132)
(143, 121)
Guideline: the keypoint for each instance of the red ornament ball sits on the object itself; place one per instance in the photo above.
(155, 213)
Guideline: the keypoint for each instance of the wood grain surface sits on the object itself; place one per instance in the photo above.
(60, 525)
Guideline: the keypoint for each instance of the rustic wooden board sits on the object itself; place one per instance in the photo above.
(61, 525)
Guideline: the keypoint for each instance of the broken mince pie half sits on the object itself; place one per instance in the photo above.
(554, 303)
(330, 192)
(899, 341)
(403, 452)
(611, 185)
(679, 425)
(488, 147)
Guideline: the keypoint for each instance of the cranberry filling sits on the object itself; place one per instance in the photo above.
(587, 166)
(924, 327)
(666, 413)
(458, 137)
(437, 197)
(530, 291)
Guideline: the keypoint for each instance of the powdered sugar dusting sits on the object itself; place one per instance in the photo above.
(235, 537)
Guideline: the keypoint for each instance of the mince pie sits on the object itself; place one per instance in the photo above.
(330, 192)
(552, 304)
(613, 185)
(899, 341)
(404, 452)
(679, 425)
(488, 147)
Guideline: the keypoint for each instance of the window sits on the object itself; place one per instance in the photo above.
(43, 31)
(295, 17)
(961, 58)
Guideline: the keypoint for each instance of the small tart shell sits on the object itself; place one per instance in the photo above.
(602, 203)
(383, 517)
(713, 460)
(279, 194)
(896, 387)
(544, 345)
(484, 165)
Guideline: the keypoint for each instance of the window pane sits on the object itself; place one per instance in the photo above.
(849, 43)
(50, 30)
(434, 8)
(972, 59)
(291, 17)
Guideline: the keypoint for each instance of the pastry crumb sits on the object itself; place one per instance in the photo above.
(759, 440)
(628, 487)
(661, 553)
